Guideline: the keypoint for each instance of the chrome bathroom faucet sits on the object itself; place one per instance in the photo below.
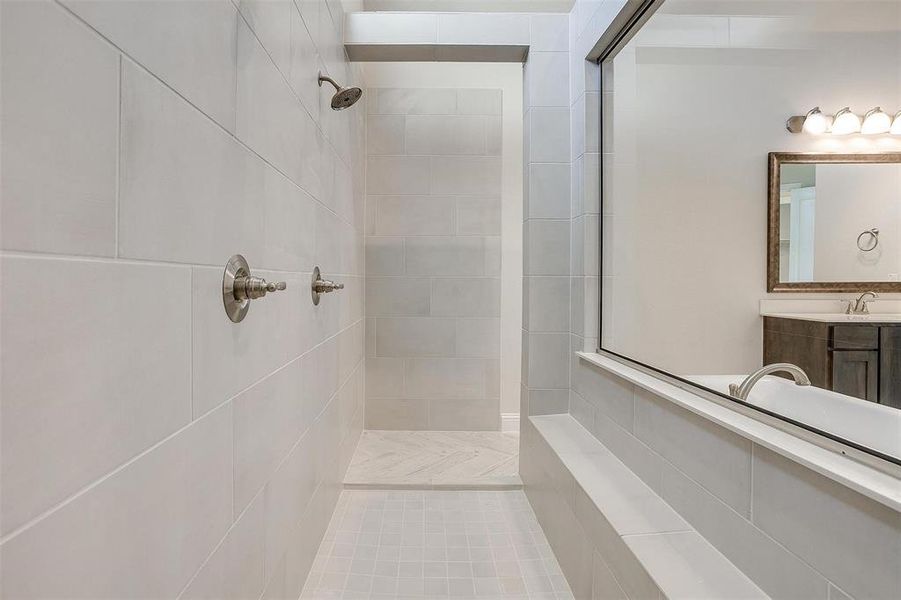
(742, 391)
(859, 306)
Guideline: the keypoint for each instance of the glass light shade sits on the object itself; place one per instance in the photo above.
(876, 121)
(896, 124)
(816, 122)
(845, 122)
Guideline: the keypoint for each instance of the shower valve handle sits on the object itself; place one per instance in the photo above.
(322, 286)
(239, 287)
(256, 287)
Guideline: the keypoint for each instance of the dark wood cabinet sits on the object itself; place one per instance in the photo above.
(862, 360)
(890, 366)
(856, 373)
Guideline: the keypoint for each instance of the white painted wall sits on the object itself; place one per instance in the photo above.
(508, 78)
(851, 199)
(150, 446)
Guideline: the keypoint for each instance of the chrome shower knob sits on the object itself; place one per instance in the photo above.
(256, 287)
(322, 286)
(239, 287)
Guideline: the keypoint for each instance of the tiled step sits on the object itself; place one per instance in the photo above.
(647, 547)
(435, 460)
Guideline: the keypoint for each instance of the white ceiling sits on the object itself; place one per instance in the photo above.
(518, 6)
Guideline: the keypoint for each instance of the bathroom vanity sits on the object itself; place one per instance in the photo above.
(856, 356)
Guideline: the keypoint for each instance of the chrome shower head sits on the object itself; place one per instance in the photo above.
(344, 96)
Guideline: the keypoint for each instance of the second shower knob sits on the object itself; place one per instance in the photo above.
(322, 286)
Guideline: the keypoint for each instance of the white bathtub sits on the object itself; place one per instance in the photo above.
(866, 423)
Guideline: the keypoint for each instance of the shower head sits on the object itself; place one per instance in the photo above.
(344, 96)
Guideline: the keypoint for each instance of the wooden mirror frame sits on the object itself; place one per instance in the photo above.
(776, 160)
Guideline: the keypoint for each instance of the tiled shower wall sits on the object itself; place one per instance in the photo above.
(433, 206)
(546, 213)
(150, 447)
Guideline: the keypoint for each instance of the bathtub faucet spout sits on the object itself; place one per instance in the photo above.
(742, 391)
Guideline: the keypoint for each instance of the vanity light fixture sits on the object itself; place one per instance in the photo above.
(816, 122)
(876, 121)
(845, 122)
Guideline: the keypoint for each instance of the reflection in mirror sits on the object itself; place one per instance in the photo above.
(836, 222)
(698, 244)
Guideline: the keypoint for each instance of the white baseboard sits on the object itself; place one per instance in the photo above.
(510, 422)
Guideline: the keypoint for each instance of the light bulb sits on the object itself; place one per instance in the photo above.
(816, 122)
(845, 122)
(896, 124)
(876, 121)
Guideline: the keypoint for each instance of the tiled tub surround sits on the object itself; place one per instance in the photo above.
(431, 544)
(150, 447)
(433, 198)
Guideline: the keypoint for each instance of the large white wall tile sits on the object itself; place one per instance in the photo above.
(57, 76)
(271, 22)
(437, 256)
(548, 304)
(414, 215)
(549, 139)
(712, 456)
(414, 336)
(229, 357)
(548, 361)
(269, 419)
(465, 297)
(483, 28)
(550, 33)
(463, 415)
(549, 191)
(548, 79)
(446, 135)
(397, 175)
(288, 494)
(142, 532)
(385, 134)
(235, 569)
(478, 338)
(444, 378)
(466, 175)
(304, 64)
(397, 296)
(478, 216)
(480, 102)
(408, 28)
(85, 390)
(384, 377)
(776, 570)
(547, 247)
(384, 256)
(406, 101)
(825, 523)
(189, 45)
(185, 182)
(271, 121)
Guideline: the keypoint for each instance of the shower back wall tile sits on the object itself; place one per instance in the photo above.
(432, 280)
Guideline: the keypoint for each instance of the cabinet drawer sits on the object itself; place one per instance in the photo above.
(855, 337)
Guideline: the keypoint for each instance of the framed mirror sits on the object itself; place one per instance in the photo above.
(834, 222)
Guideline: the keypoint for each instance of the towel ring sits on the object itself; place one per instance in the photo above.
(874, 234)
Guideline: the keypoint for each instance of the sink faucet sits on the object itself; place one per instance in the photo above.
(742, 391)
(859, 306)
